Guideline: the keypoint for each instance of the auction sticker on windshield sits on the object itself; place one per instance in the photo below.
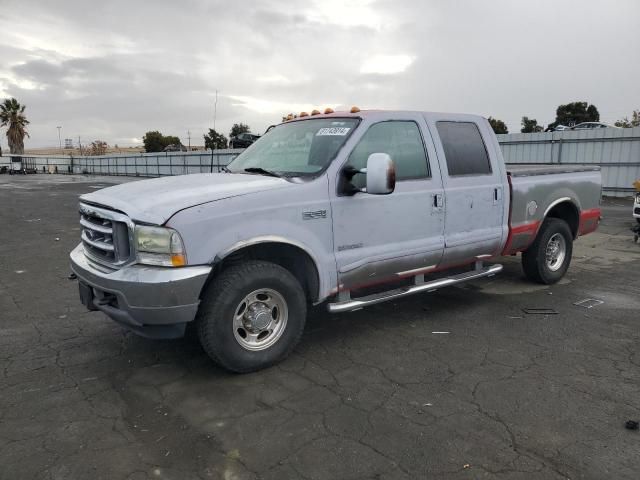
(341, 131)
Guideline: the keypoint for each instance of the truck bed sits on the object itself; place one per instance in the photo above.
(535, 189)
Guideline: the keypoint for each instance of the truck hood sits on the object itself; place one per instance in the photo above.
(156, 200)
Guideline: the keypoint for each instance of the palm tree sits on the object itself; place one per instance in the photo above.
(12, 116)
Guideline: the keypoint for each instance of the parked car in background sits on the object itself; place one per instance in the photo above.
(23, 165)
(243, 140)
(591, 126)
(349, 208)
(557, 128)
(175, 148)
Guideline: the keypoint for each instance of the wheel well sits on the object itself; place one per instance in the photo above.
(568, 212)
(290, 257)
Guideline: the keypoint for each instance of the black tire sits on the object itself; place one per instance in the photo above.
(638, 220)
(534, 262)
(221, 300)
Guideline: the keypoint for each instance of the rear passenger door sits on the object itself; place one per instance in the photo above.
(473, 179)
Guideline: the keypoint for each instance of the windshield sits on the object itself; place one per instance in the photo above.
(297, 148)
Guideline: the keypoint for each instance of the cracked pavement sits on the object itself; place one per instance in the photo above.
(372, 394)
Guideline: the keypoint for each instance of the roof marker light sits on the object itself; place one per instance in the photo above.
(354, 109)
(315, 112)
(328, 110)
(303, 114)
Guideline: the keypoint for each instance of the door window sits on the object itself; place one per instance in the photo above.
(401, 140)
(464, 148)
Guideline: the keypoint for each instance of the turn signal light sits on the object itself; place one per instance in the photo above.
(328, 110)
(354, 109)
(178, 259)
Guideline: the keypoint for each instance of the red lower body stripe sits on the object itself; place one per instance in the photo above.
(520, 237)
(589, 220)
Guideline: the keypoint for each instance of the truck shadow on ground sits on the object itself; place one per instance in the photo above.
(403, 321)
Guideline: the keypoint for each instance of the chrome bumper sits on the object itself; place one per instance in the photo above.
(155, 302)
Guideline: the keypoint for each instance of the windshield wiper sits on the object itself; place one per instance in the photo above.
(261, 171)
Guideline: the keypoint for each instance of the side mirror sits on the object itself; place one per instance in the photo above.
(381, 174)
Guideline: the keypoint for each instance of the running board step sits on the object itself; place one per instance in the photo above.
(355, 304)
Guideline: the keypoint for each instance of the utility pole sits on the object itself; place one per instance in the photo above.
(189, 138)
(215, 110)
(59, 140)
(79, 145)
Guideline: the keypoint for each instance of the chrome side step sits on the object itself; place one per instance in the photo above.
(346, 304)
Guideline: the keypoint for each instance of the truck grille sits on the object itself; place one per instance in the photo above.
(105, 236)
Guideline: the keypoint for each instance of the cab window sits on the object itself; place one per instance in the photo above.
(464, 149)
(401, 140)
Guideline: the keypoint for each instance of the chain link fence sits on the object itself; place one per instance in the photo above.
(136, 165)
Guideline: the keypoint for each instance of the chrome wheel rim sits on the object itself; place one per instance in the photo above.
(260, 319)
(555, 252)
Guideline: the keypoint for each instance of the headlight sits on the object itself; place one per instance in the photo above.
(159, 246)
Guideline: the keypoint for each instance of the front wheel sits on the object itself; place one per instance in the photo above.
(548, 258)
(251, 316)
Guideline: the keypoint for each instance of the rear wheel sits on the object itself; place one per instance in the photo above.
(548, 258)
(252, 316)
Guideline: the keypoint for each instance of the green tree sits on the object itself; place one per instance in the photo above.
(574, 113)
(171, 140)
(530, 125)
(239, 128)
(626, 123)
(153, 141)
(498, 125)
(12, 116)
(214, 140)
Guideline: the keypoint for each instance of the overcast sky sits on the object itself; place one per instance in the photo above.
(113, 70)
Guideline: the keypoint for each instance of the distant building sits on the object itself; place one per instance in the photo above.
(68, 143)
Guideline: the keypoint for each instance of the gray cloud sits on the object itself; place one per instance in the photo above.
(121, 68)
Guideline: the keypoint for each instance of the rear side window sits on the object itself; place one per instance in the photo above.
(464, 149)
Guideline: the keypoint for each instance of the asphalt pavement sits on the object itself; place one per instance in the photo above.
(457, 384)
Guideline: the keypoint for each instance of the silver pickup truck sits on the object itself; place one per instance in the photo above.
(348, 208)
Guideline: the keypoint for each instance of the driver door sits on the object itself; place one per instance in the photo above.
(382, 238)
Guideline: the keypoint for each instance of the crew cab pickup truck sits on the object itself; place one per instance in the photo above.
(348, 208)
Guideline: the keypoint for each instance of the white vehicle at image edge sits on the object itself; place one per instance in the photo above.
(347, 208)
(636, 207)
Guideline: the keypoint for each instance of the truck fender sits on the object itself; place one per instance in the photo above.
(296, 257)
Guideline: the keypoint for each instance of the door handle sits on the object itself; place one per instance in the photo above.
(497, 195)
(438, 200)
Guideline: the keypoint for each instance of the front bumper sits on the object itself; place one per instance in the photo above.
(155, 302)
